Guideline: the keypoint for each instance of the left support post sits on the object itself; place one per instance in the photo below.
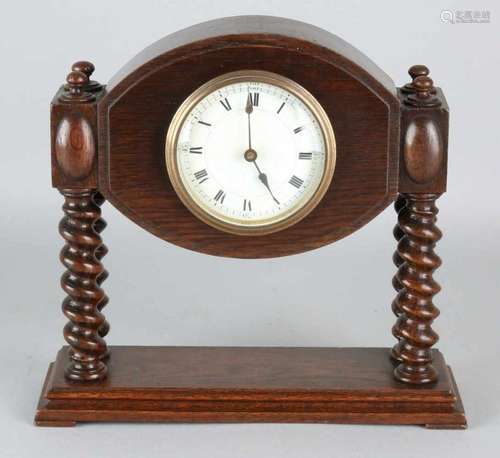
(74, 174)
(81, 282)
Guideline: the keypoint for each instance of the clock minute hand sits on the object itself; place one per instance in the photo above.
(249, 110)
(249, 106)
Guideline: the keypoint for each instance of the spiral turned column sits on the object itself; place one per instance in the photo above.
(81, 256)
(99, 225)
(400, 208)
(414, 300)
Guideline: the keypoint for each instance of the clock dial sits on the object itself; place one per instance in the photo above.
(250, 152)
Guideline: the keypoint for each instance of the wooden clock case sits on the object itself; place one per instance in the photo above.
(108, 144)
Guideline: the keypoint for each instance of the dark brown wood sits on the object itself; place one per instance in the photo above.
(414, 71)
(399, 206)
(229, 384)
(424, 135)
(75, 147)
(99, 225)
(108, 143)
(76, 88)
(135, 113)
(423, 165)
(88, 69)
(417, 288)
(423, 150)
(74, 136)
(81, 255)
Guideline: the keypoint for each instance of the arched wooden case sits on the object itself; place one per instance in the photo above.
(108, 144)
(141, 100)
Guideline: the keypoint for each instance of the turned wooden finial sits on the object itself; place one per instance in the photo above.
(83, 66)
(424, 93)
(76, 83)
(87, 68)
(414, 71)
(418, 70)
(76, 88)
(423, 86)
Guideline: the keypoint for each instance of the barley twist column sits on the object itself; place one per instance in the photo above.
(400, 208)
(99, 225)
(415, 298)
(81, 256)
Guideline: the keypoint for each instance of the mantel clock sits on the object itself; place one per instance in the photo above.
(250, 137)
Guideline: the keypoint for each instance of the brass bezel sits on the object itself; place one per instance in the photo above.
(287, 84)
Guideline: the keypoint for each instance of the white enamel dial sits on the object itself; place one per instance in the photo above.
(250, 151)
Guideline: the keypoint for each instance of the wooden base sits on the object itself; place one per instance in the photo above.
(249, 384)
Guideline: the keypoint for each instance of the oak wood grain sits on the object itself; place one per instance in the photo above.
(226, 384)
(359, 99)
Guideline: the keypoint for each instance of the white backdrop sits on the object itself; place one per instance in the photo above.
(153, 300)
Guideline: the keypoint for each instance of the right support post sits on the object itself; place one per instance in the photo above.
(422, 179)
(414, 299)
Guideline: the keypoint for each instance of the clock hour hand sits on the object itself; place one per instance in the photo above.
(263, 179)
(265, 182)
(251, 156)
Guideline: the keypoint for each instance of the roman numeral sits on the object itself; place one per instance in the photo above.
(220, 196)
(296, 181)
(254, 97)
(225, 103)
(196, 150)
(201, 176)
(205, 123)
(298, 129)
(280, 108)
(247, 205)
(306, 156)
